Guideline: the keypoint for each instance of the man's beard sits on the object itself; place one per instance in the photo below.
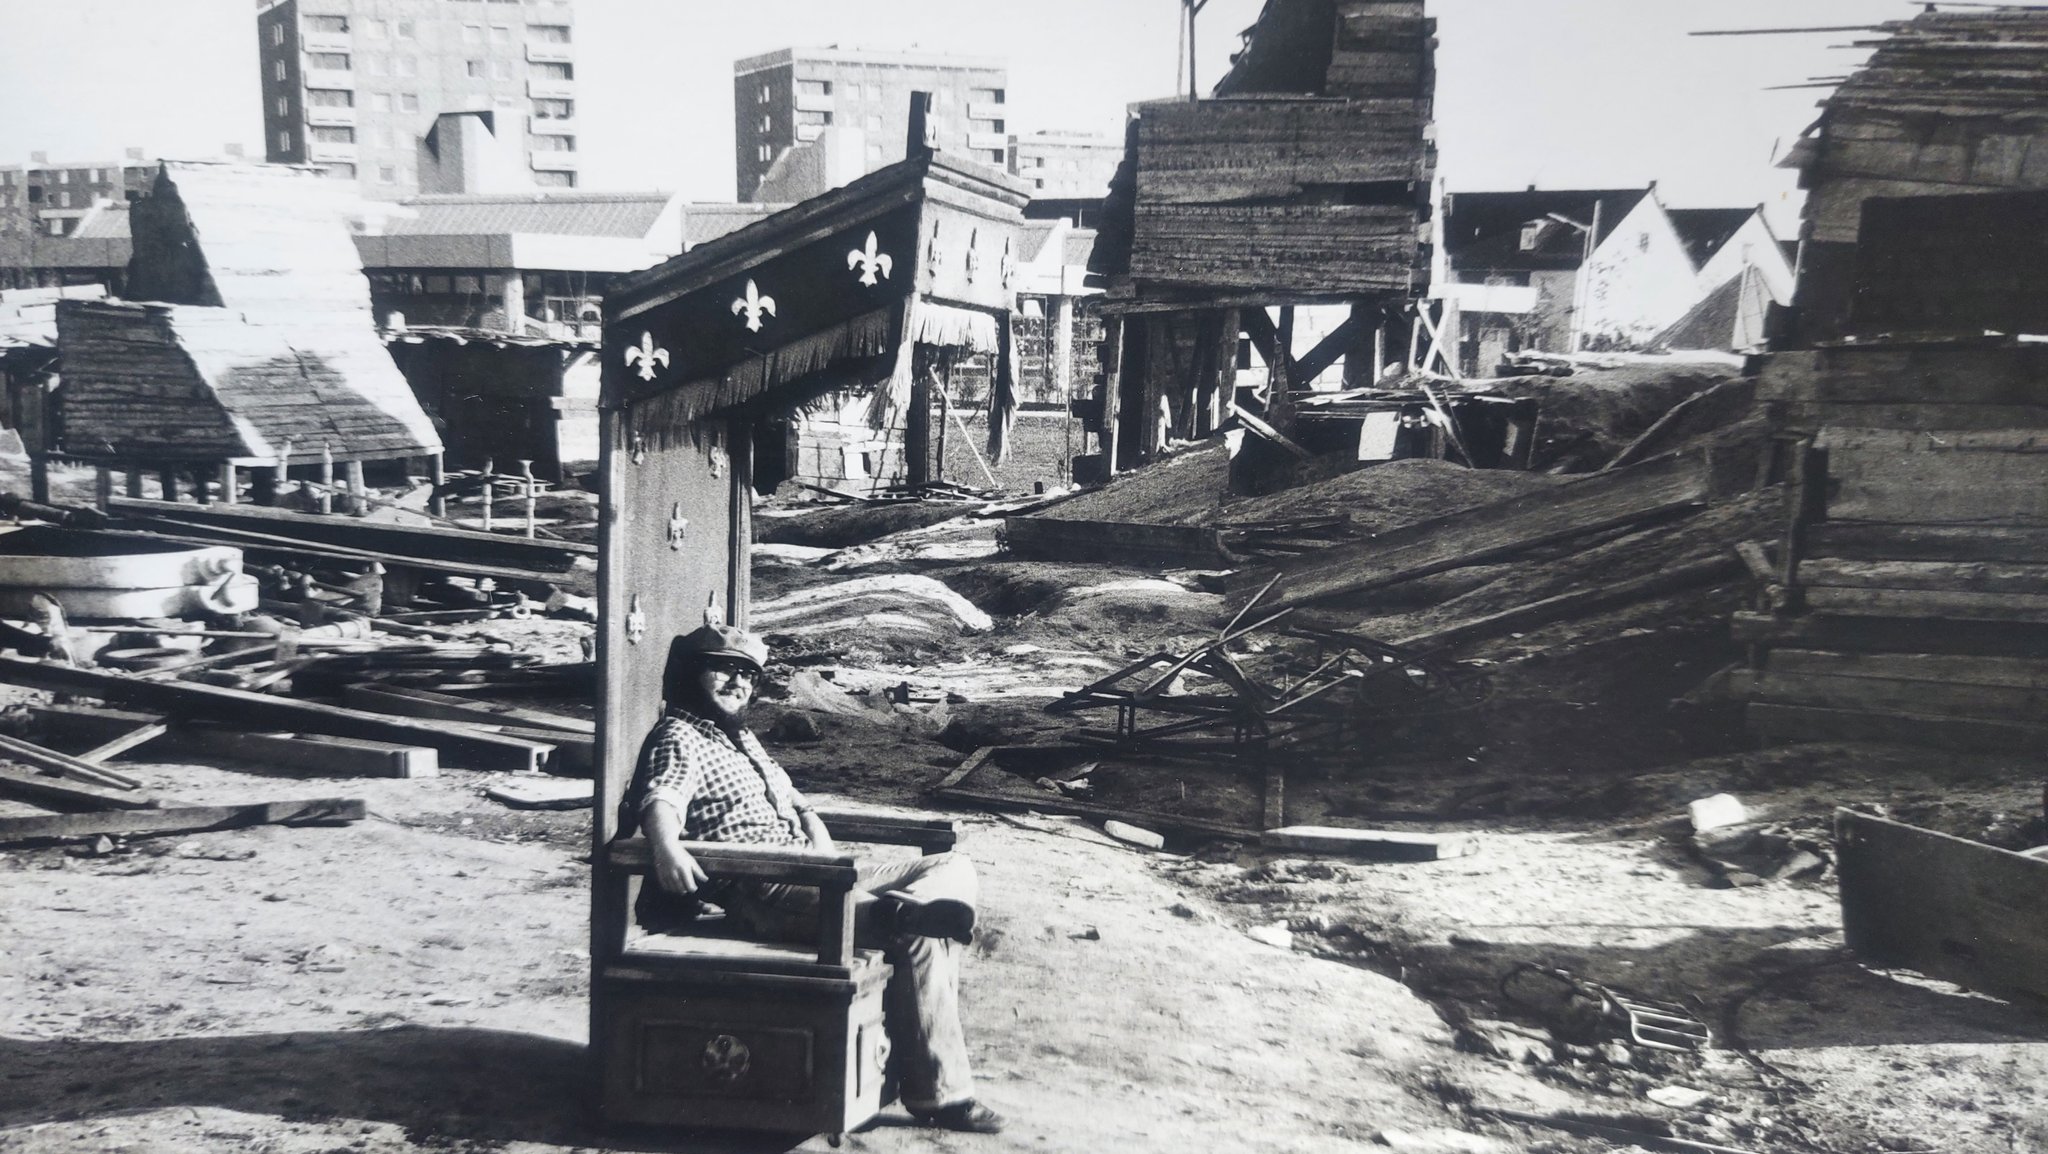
(720, 713)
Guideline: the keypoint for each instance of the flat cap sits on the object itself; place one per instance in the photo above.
(721, 641)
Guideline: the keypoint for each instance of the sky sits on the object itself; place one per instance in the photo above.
(1555, 93)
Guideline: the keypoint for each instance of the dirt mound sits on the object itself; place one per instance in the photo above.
(1382, 497)
(1184, 489)
(1593, 414)
(1014, 588)
(839, 526)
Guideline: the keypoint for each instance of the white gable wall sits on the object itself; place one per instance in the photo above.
(1640, 279)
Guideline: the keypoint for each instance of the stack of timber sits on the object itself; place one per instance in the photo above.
(1308, 174)
(1908, 600)
(1949, 102)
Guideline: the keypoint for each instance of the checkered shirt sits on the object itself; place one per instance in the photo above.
(725, 790)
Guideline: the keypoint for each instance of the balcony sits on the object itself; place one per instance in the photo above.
(544, 89)
(992, 141)
(541, 53)
(328, 115)
(984, 110)
(321, 151)
(813, 102)
(805, 133)
(310, 41)
(328, 78)
(542, 126)
(553, 161)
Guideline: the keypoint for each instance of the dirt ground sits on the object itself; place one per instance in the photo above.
(418, 980)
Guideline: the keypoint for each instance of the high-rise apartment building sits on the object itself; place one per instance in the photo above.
(1066, 165)
(790, 97)
(356, 85)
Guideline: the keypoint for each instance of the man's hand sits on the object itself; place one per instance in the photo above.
(674, 868)
(814, 829)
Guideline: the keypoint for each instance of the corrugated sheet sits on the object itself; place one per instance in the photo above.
(626, 215)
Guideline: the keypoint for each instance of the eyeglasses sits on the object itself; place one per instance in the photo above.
(738, 669)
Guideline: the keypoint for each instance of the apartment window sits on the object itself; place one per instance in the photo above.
(63, 176)
(409, 102)
(276, 35)
(332, 134)
(554, 110)
(325, 23)
(1530, 233)
(6, 178)
(506, 102)
(767, 123)
(501, 70)
(476, 69)
(284, 141)
(278, 71)
(873, 123)
(284, 106)
(766, 95)
(984, 126)
(501, 34)
(342, 171)
(985, 95)
(328, 61)
(874, 153)
(386, 174)
(814, 88)
(381, 136)
(813, 117)
(552, 70)
(548, 33)
(996, 157)
(406, 66)
(545, 143)
(373, 64)
(57, 227)
(63, 200)
(472, 34)
(330, 98)
(35, 194)
(554, 180)
(377, 29)
(767, 153)
(405, 30)
(872, 91)
(381, 101)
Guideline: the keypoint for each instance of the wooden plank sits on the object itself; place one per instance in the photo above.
(1943, 668)
(1971, 913)
(1880, 634)
(46, 789)
(424, 703)
(1962, 376)
(1485, 533)
(315, 754)
(1920, 415)
(181, 819)
(1951, 475)
(460, 746)
(64, 765)
(1873, 694)
(1960, 576)
(1961, 606)
(419, 541)
(1576, 603)
(1775, 722)
(133, 738)
(1370, 844)
(1881, 541)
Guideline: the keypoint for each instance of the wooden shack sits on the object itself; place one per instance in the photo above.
(1908, 599)
(860, 289)
(1305, 180)
(1949, 102)
(249, 343)
(499, 399)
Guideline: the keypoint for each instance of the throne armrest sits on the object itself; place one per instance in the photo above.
(832, 874)
(928, 835)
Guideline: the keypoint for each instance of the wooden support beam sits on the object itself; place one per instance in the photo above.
(313, 754)
(50, 761)
(464, 747)
(1577, 603)
(1318, 360)
(181, 819)
(44, 789)
(424, 703)
(1269, 432)
(134, 738)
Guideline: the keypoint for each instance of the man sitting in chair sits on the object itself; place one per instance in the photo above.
(704, 777)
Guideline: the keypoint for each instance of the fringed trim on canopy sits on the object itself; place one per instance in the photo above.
(867, 335)
(964, 329)
(1002, 399)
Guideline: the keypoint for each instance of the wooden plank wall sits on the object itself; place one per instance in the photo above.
(1914, 604)
(1953, 264)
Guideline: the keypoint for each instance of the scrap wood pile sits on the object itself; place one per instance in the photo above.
(331, 668)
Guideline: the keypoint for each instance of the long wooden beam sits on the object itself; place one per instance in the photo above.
(181, 819)
(463, 747)
(423, 541)
(44, 789)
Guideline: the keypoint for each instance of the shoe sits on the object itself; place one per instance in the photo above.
(969, 1117)
(931, 917)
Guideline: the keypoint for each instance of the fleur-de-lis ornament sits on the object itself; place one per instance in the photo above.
(1008, 265)
(754, 305)
(973, 254)
(870, 261)
(647, 355)
(933, 254)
